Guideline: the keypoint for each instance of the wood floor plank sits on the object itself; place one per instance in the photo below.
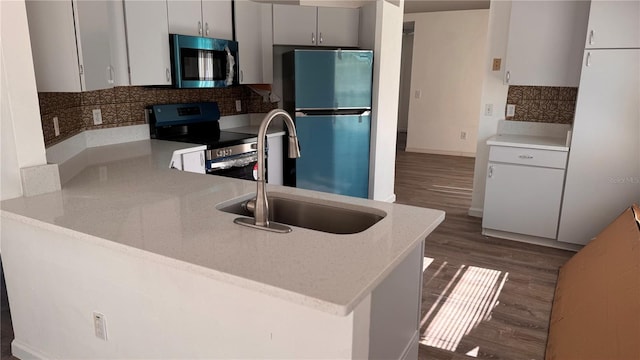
(518, 324)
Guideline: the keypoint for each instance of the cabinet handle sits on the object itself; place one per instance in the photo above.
(168, 74)
(199, 27)
(241, 76)
(525, 156)
(109, 75)
(490, 175)
(508, 76)
(588, 62)
(206, 27)
(313, 38)
(202, 158)
(321, 38)
(591, 37)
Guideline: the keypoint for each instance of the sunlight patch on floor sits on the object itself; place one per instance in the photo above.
(456, 313)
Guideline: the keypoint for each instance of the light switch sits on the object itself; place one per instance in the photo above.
(418, 94)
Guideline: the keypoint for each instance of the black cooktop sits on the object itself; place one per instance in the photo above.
(214, 141)
(194, 123)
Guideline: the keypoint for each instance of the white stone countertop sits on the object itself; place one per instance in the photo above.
(253, 129)
(128, 200)
(530, 142)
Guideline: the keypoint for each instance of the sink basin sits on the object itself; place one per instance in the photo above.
(326, 216)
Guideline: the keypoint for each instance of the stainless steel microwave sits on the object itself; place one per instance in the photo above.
(201, 62)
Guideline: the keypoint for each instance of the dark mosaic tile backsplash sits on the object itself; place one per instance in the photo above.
(124, 105)
(543, 103)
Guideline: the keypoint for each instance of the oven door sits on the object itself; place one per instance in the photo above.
(240, 167)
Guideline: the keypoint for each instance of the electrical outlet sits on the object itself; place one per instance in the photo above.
(488, 110)
(496, 64)
(100, 326)
(463, 135)
(238, 105)
(97, 116)
(511, 110)
(418, 94)
(56, 126)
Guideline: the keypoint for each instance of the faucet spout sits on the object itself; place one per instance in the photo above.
(261, 210)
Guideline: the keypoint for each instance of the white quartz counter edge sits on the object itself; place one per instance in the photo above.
(529, 142)
(308, 301)
(366, 259)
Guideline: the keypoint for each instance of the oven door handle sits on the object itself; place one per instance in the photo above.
(234, 162)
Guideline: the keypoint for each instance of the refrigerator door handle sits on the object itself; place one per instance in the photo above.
(304, 114)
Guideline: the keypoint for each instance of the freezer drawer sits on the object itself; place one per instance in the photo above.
(334, 154)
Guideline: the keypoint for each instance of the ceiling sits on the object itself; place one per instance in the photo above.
(417, 6)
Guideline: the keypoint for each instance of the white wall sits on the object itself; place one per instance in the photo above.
(387, 47)
(22, 139)
(448, 62)
(493, 92)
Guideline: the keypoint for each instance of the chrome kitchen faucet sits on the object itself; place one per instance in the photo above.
(261, 207)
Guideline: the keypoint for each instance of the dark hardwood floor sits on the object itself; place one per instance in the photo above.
(486, 297)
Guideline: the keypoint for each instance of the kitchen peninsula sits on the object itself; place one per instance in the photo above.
(146, 249)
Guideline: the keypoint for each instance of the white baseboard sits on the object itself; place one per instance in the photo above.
(440, 152)
(531, 239)
(475, 212)
(23, 352)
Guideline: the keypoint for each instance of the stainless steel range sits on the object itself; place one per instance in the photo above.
(214, 152)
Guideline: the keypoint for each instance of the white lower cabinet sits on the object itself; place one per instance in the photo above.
(523, 195)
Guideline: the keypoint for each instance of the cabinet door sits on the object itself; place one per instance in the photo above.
(614, 24)
(185, 17)
(338, 26)
(603, 171)
(545, 42)
(248, 32)
(53, 44)
(148, 42)
(523, 199)
(217, 19)
(275, 168)
(118, 43)
(92, 34)
(294, 25)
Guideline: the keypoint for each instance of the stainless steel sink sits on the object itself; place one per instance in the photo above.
(327, 216)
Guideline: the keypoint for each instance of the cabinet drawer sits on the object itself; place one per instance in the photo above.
(525, 156)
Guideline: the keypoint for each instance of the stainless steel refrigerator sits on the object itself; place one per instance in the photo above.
(329, 92)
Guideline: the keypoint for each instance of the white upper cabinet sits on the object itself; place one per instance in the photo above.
(294, 25)
(613, 24)
(338, 26)
(92, 29)
(75, 45)
(255, 46)
(148, 42)
(185, 17)
(546, 42)
(217, 19)
(210, 18)
(315, 26)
